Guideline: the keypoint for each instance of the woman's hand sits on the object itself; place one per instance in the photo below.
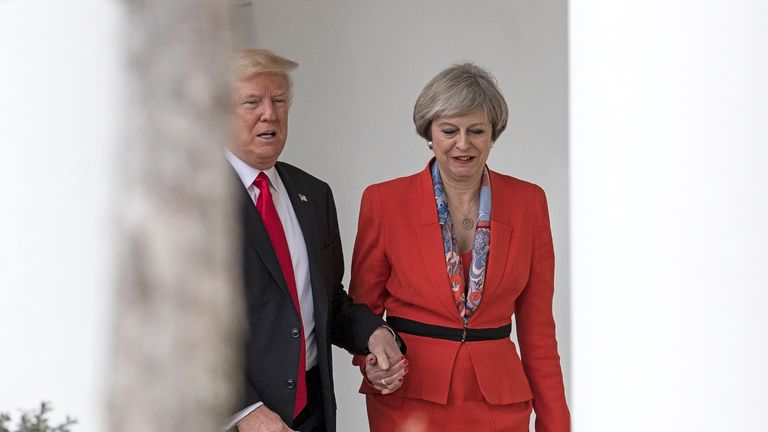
(385, 380)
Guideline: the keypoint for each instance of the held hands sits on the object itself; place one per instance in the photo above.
(385, 366)
(262, 419)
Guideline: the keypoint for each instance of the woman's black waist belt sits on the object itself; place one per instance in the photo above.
(405, 325)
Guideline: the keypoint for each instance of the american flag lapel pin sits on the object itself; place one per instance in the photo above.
(303, 198)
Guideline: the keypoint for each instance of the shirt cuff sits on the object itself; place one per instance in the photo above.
(394, 335)
(235, 419)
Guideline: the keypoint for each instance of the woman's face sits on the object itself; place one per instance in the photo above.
(461, 145)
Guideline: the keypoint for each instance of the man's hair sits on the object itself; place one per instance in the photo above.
(250, 62)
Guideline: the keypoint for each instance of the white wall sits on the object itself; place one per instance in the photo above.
(59, 83)
(362, 65)
(668, 135)
(669, 144)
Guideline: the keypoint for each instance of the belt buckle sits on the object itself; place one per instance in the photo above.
(464, 334)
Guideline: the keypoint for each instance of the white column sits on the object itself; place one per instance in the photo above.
(59, 111)
(669, 199)
(114, 197)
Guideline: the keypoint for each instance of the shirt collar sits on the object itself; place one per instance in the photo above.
(248, 173)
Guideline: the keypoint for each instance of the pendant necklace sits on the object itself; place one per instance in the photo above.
(467, 223)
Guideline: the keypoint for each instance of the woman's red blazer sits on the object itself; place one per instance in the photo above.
(398, 266)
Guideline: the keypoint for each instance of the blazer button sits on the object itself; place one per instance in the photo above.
(295, 333)
(291, 383)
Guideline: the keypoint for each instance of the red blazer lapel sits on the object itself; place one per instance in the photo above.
(429, 242)
(501, 236)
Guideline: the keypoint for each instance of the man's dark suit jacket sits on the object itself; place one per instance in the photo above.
(272, 344)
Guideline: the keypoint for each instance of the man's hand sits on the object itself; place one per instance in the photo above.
(385, 366)
(262, 419)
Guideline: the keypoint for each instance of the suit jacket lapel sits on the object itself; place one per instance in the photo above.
(256, 233)
(429, 241)
(303, 209)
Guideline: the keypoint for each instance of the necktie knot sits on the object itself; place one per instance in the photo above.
(261, 182)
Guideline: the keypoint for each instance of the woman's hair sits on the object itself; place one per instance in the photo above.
(249, 62)
(456, 91)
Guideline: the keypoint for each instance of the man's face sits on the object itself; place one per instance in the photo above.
(261, 119)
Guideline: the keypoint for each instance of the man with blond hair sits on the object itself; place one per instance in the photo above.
(296, 305)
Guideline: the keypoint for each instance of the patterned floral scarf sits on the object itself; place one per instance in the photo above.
(467, 299)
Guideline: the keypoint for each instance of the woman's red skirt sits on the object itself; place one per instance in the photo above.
(466, 409)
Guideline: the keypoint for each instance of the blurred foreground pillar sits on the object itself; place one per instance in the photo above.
(177, 317)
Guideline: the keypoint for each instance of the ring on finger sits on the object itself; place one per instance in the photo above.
(383, 382)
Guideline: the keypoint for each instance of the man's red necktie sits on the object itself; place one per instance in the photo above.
(269, 215)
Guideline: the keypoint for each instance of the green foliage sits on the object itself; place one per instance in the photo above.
(35, 421)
